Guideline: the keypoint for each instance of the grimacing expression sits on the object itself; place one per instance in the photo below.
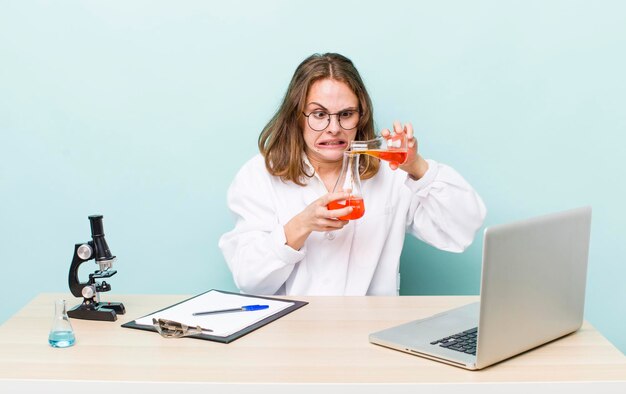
(329, 96)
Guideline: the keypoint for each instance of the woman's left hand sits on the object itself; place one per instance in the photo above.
(415, 165)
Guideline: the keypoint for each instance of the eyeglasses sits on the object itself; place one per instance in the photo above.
(319, 120)
(174, 329)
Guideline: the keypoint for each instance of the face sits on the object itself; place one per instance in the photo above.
(327, 96)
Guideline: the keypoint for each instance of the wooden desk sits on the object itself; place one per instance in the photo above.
(321, 346)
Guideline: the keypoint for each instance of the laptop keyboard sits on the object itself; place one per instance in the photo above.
(464, 341)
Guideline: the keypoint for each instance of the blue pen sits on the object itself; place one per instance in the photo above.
(244, 308)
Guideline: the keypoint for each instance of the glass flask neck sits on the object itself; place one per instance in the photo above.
(392, 148)
(60, 308)
(349, 179)
(61, 333)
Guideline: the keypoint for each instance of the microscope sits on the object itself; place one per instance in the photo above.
(97, 249)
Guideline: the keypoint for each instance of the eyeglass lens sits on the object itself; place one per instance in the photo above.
(319, 120)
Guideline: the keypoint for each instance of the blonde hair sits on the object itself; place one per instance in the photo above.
(282, 143)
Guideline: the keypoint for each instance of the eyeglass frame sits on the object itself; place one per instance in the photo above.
(329, 116)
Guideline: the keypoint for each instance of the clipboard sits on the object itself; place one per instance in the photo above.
(236, 335)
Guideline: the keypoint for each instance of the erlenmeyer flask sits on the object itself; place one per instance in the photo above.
(61, 333)
(393, 148)
(349, 181)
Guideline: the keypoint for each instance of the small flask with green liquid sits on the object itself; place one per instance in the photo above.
(61, 333)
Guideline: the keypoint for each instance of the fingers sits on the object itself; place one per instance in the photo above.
(336, 225)
(328, 219)
(333, 224)
(323, 212)
(397, 127)
(408, 128)
(336, 213)
(318, 217)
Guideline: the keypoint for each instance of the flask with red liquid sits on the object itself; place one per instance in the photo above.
(392, 148)
(349, 181)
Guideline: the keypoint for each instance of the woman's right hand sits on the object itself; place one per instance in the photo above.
(316, 217)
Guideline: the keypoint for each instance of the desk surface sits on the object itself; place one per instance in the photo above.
(323, 342)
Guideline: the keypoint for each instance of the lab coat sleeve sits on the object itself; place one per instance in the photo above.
(445, 211)
(255, 250)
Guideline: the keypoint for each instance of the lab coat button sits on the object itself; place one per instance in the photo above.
(330, 236)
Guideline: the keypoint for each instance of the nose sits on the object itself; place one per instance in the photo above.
(333, 125)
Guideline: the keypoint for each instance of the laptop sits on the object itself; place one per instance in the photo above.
(532, 292)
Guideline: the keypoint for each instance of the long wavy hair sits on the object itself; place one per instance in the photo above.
(282, 142)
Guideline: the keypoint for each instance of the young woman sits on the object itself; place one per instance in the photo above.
(286, 240)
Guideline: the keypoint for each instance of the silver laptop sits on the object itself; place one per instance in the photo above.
(532, 292)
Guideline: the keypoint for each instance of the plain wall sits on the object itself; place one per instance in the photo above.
(143, 111)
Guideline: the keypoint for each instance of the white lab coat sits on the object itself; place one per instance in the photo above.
(363, 258)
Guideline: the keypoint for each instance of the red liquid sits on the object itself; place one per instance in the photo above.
(394, 156)
(358, 207)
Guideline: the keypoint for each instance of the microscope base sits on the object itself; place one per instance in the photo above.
(102, 311)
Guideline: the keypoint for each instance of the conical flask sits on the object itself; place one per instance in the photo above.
(392, 148)
(61, 333)
(349, 181)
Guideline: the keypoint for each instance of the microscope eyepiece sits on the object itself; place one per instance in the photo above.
(101, 251)
(96, 225)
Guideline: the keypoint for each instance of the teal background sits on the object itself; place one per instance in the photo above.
(143, 111)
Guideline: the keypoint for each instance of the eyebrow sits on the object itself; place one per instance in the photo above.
(326, 109)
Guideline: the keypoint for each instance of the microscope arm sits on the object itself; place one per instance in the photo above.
(82, 253)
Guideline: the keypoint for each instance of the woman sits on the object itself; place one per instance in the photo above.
(286, 241)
